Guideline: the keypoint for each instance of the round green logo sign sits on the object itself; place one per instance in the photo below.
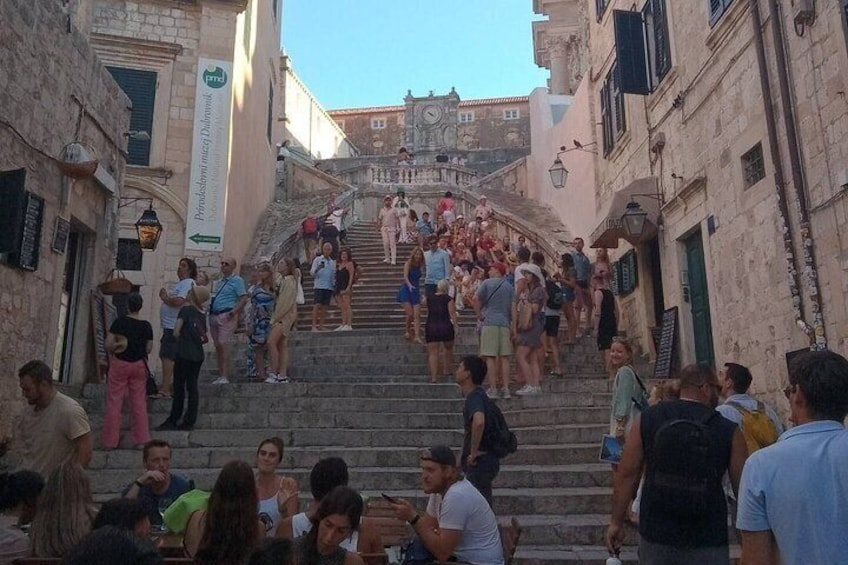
(214, 76)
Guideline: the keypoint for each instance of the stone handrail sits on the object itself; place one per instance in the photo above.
(411, 175)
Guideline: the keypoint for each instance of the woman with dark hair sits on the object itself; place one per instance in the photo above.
(190, 332)
(345, 270)
(172, 301)
(111, 544)
(409, 294)
(440, 329)
(568, 280)
(129, 340)
(277, 495)
(125, 513)
(228, 530)
(337, 518)
(18, 496)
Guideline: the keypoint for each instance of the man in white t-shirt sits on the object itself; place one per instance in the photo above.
(459, 523)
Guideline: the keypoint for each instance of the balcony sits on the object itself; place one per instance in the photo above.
(408, 175)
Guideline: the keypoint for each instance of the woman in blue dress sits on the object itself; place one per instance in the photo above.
(410, 294)
(262, 300)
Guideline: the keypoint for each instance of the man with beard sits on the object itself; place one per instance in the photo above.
(685, 447)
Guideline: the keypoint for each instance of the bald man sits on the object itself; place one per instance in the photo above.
(229, 296)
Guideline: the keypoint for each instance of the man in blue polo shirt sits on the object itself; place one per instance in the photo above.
(324, 276)
(437, 263)
(229, 297)
(793, 506)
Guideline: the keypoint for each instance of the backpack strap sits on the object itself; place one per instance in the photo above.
(742, 410)
(705, 419)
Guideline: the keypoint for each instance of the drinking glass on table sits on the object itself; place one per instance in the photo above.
(164, 503)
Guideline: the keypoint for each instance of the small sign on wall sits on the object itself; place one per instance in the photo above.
(61, 231)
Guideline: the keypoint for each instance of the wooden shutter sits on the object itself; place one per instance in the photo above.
(140, 86)
(617, 102)
(12, 202)
(606, 118)
(630, 52)
(662, 48)
(270, 125)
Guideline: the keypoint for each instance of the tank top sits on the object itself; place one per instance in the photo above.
(301, 525)
(342, 278)
(269, 515)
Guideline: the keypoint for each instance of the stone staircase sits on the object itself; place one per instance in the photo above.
(363, 395)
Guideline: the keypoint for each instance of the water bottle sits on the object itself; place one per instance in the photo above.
(613, 561)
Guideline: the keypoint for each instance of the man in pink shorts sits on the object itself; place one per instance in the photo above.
(229, 296)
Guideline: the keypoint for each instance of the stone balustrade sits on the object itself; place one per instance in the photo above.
(409, 175)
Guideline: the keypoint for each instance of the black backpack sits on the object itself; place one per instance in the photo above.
(497, 437)
(683, 473)
(554, 295)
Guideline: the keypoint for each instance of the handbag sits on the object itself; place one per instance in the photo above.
(152, 387)
(299, 298)
(115, 283)
(525, 314)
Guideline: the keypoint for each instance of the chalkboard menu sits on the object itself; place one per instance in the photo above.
(26, 254)
(667, 349)
(102, 316)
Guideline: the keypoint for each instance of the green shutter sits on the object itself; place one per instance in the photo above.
(630, 52)
(140, 86)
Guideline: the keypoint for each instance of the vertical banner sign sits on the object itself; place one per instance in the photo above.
(210, 150)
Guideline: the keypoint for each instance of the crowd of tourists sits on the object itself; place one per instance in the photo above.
(688, 462)
(252, 515)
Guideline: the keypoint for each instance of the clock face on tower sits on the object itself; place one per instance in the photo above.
(431, 114)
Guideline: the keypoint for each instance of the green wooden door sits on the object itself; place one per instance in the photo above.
(699, 300)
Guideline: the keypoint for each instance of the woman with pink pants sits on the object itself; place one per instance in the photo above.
(129, 340)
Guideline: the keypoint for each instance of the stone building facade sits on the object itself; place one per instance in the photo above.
(55, 92)
(171, 57)
(740, 160)
(304, 122)
(434, 124)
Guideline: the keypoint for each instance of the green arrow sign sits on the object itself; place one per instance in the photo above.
(197, 238)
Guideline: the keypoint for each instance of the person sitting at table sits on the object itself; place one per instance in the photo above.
(112, 544)
(228, 530)
(124, 513)
(325, 476)
(157, 483)
(336, 520)
(18, 502)
(273, 551)
(277, 495)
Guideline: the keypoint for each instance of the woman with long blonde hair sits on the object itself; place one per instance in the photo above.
(65, 511)
(282, 321)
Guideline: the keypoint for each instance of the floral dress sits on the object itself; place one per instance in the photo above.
(262, 302)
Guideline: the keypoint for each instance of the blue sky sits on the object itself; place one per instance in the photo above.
(353, 53)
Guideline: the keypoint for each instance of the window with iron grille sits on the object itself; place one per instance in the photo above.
(613, 117)
(600, 8)
(753, 166)
(717, 9)
(466, 117)
(130, 255)
(140, 87)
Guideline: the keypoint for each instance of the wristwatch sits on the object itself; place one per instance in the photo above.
(415, 520)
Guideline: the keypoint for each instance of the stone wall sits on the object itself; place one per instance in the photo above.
(369, 140)
(49, 74)
(709, 108)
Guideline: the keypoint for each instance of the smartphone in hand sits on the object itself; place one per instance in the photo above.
(389, 498)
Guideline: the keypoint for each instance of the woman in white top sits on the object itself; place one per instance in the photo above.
(277, 495)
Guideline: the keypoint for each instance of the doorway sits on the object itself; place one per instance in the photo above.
(69, 305)
(699, 300)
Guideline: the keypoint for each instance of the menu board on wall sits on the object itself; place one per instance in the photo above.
(26, 254)
(667, 348)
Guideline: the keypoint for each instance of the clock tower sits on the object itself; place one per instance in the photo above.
(431, 122)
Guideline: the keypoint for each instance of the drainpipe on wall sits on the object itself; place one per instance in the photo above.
(779, 181)
(818, 339)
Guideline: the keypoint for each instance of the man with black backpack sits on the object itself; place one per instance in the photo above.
(685, 447)
(487, 437)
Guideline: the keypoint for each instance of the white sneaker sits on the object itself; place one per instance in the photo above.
(505, 392)
(340, 329)
(221, 381)
(492, 393)
(347, 328)
(276, 379)
(535, 390)
(526, 389)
